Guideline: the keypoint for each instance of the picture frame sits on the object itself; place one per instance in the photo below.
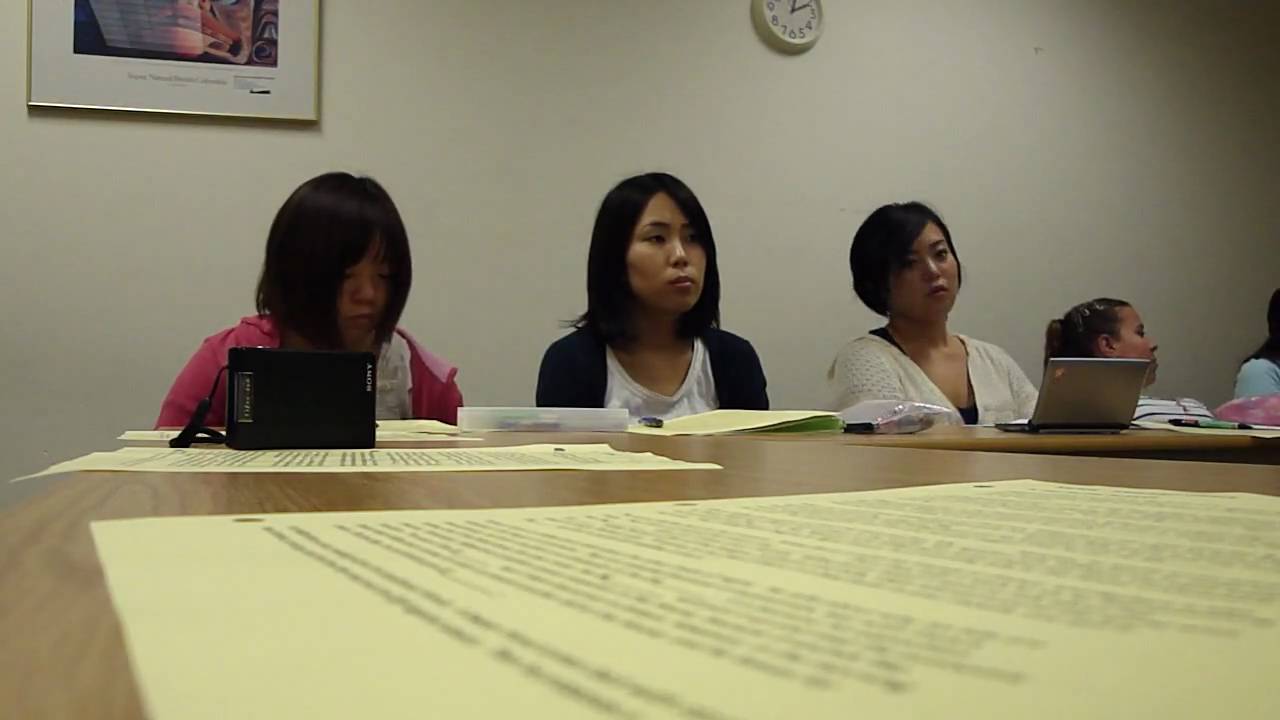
(229, 58)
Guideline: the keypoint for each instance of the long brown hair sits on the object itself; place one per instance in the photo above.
(1075, 333)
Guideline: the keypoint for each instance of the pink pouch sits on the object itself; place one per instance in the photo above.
(1257, 410)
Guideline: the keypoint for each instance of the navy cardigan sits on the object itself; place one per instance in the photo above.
(573, 372)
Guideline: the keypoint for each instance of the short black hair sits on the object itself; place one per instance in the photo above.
(609, 294)
(325, 227)
(881, 247)
(1270, 348)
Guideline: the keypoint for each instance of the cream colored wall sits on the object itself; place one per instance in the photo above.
(1076, 148)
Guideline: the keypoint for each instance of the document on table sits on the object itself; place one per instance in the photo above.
(726, 422)
(1012, 599)
(380, 435)
(434, 427)
(521, 457)
(1265, 432)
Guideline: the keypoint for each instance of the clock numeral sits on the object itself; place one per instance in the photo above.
(801, 33)
(774, 20)
(809, 26)
(771, 7)
(792, 35)
(784, 29)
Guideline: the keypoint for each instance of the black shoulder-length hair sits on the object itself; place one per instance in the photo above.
(881, 247)
(609, 295)
(325, 227)
(1270, 348)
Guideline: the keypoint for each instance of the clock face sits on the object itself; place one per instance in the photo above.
(788, 25)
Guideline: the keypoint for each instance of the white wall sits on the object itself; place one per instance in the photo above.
(1076, 148)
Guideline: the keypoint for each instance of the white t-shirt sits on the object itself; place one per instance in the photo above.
(697, 394)
(395, 380)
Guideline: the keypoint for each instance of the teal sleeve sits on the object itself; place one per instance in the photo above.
(1258, 377)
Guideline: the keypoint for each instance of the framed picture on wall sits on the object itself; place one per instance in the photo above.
(242, 58)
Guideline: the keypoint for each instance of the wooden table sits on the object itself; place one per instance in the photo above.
(63, 655)
(1137, 443)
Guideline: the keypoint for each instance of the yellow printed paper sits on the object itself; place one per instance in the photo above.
(380, 436)
(1003, 600)
(397, 436)
(434, 427)
(720, 422)
(523, 457)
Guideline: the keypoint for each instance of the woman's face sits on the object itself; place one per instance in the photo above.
(1129, 341)
(665, 261)
(925, 286)
(362, 300)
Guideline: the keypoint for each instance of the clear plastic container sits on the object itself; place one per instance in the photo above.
(487, 419)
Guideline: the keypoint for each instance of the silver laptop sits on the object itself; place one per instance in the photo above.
(1086, 395)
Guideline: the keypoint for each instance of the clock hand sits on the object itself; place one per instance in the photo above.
(795, 9)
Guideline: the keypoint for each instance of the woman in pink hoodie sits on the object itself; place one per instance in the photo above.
(336, 277)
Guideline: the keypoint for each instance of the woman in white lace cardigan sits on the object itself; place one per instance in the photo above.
(905, 268)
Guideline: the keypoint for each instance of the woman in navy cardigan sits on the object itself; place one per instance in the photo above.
(650, 340)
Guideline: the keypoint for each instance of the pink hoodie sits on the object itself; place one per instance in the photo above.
(435, 395)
